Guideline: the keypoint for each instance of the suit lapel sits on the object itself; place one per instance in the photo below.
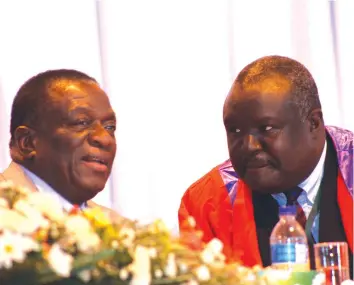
(245, 242)
(15, 174)
(266, 216)
(333, 222)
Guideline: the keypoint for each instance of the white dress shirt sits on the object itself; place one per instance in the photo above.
(310, 185)
(43, 187)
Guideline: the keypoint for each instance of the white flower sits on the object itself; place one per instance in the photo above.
(13, 247)
(115, 244)
(203, 273)
(47, 205)
(88, 242)
(320, 279)
(183, 267)
(85, 276)
(31, 213)
(14, 221)
(171, 266)
(60, 261)
(250, 277)
(123, 274)
(9, 251)
(127, 235)
(77, 224)
(153, 252)
(81, 231)
(4, 203)
(158, 273)
(207, 256)
(141, 266)
(212, 252)
(215, 245)
(27, 243)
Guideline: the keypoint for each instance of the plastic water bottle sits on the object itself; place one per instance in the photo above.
(288, 243)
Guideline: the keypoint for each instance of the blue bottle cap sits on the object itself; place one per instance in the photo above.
(287, 210)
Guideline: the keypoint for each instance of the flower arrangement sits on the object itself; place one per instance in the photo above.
(40, 243)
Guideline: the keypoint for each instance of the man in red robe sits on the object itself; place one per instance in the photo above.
(278, 145)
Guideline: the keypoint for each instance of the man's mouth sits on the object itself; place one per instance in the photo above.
(256, 164)
(96, 163)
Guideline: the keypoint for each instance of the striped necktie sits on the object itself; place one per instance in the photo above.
(291, 197)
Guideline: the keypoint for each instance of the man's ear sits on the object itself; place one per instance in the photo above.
(315, 120)
(25, 140)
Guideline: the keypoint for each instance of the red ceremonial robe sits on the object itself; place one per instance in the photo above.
(208, 201)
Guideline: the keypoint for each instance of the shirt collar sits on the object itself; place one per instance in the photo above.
(43, 187)
(312, 183)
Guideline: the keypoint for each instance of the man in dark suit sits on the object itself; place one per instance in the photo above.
(280, 153)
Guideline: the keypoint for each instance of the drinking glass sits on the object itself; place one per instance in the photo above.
(332, 259)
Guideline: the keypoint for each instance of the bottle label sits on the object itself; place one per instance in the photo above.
(289, 252)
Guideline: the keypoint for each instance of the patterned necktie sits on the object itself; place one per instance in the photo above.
(291, 197)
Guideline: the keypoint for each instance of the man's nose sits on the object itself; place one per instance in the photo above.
(100, 137)
(253, 142)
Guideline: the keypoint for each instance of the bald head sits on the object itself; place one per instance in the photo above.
(274, 124)
(272, 74)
